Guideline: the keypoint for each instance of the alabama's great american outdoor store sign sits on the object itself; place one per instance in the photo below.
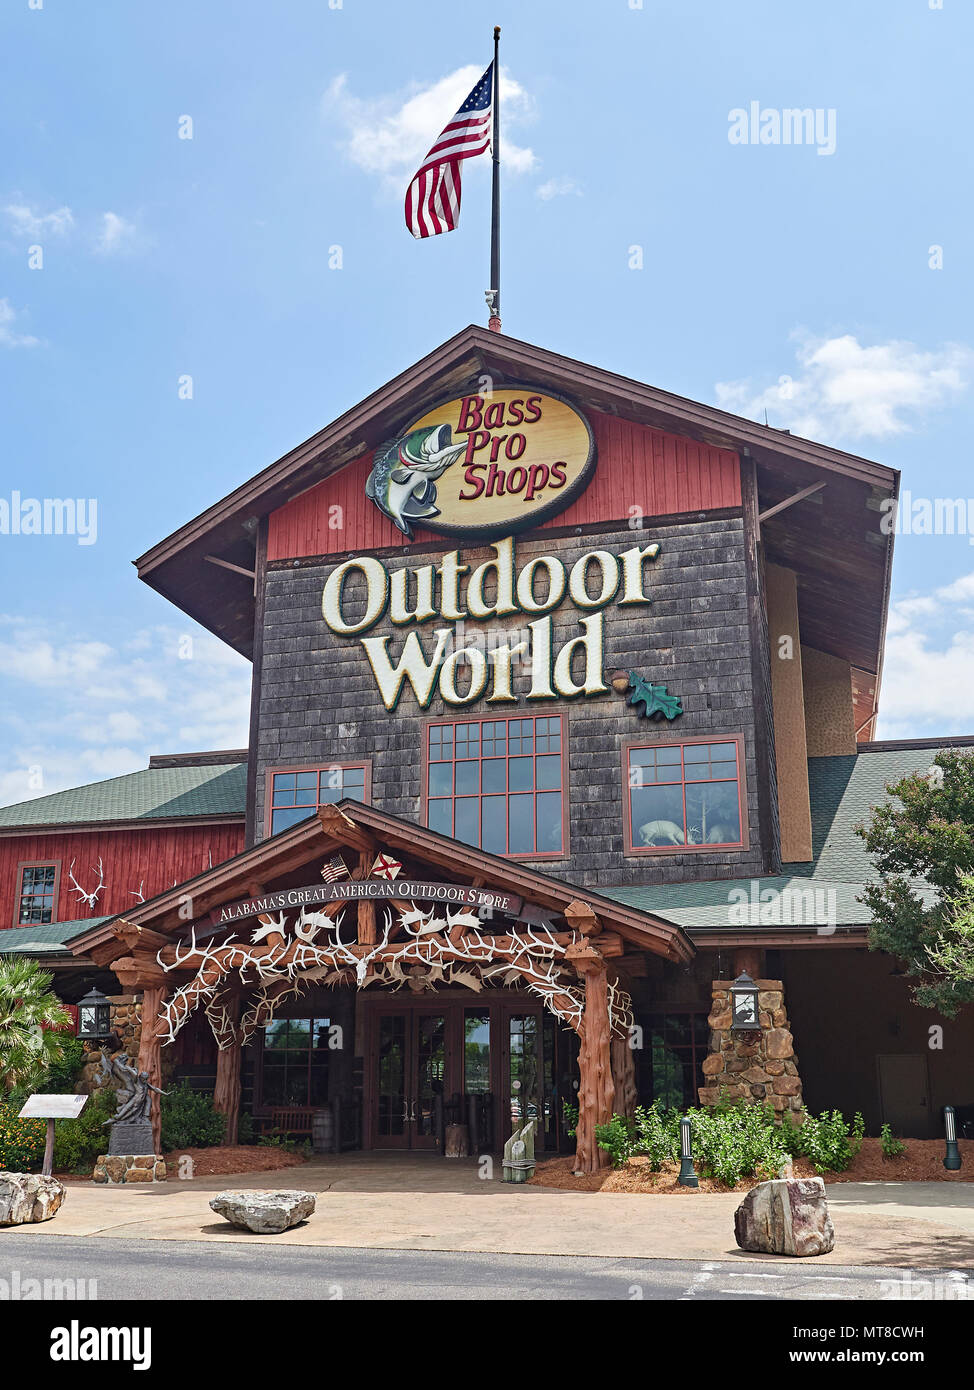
(351, 890)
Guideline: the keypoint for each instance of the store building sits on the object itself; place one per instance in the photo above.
(564, 691)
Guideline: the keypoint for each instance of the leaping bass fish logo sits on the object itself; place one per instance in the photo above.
(401, 483)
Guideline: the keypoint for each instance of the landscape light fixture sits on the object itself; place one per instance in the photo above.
(688, 1177)
(952, 1156)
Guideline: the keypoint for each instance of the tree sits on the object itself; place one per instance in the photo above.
(29, 1013)
(922, 904)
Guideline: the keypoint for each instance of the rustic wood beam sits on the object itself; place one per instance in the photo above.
(341, 827)
(596, 1090)
(150, 1055)
(582, 918)
(366, 906)
(226, 1089)
(135, 936)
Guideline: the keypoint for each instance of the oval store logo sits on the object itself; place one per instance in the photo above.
(484, 465)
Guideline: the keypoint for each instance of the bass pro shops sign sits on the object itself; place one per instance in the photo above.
(484, 465)
(453, 663)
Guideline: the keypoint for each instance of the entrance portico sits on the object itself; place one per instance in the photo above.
(475, 977)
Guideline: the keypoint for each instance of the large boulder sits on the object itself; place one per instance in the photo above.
(26, 1197)
(788, 1216)
(262, 1211)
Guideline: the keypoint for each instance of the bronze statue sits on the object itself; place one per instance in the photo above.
(134, 1100)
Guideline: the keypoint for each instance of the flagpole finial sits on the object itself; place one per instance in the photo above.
(497, 31)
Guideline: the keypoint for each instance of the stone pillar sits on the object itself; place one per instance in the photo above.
(150, 1054)
(752, 1066)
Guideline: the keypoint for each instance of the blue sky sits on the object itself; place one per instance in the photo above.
(773, 277)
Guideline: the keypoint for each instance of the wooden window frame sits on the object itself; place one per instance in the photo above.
(343, 763)
(261, 1107)
(629, 849)
(19, 885)
(492, 718)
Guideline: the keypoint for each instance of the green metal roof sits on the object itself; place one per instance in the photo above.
(823, 892)
(156, 793)
(45, 939)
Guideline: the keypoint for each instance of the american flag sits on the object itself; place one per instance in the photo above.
(433, 197)
(334, 868)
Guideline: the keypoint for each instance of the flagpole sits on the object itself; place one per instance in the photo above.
(494, 293)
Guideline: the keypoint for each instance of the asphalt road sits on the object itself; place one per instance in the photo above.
(192, 1270)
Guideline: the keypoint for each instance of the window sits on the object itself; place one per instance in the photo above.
(499, 784)
(295, 793)
(294, 1065)
(669, 1065)
(36, 894)
(684, 796)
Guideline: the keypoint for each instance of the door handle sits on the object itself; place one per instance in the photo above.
(405, 1110)
(412, 1111)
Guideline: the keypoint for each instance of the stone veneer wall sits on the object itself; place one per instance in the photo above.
(749, 1065)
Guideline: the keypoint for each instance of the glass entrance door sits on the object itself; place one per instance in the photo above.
(410, 1068)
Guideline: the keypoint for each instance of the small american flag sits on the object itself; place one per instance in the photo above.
(334, 868)
(433, 197)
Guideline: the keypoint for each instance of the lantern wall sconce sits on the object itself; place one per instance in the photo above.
(744, 1004)
(94, 1017)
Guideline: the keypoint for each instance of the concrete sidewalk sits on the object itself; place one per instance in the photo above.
(398, 1202)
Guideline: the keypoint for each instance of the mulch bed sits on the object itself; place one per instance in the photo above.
(216, 1162)
(923, 1161)
(239, 1158)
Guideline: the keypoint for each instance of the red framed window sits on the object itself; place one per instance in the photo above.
(295, 793)
(684, 796)
(36, 899)
(499, 784)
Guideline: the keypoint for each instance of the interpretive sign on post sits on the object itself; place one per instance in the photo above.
(51, 1108)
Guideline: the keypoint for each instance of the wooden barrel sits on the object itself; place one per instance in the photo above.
(322, 1131)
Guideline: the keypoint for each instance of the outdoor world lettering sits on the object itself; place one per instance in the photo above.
(425, 593)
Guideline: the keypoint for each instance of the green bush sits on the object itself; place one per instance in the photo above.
(246, 1131)
(77, 1143)
(21, 1141)
(890, 1145)
(734, 1140)
(63, 1074)
(657, 1134)
(189, 1120)
(828, 1141)
(618, 1138)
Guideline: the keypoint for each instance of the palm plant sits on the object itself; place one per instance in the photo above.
(29, 1013)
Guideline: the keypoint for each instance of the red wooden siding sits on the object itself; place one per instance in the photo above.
(659, 473)
(157, 857)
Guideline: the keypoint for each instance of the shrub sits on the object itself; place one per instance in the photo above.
(77, 1143)
(62, 1074)
(890, 1145)
(657, 1134)
(570, 1115)
(617, 1138)
(735, 1140)
(246, 1132)
(828, 1142)
(189, 1120)
(31, 1024)
(21, 1141)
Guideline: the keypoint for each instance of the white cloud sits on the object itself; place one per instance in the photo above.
(115, 234)
(558, 188)
(844, 390)
(928, 668)
(91, 708)
(388, 136)
(9, 337)
(24, 221)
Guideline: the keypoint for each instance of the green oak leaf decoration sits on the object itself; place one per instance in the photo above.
(654, 699)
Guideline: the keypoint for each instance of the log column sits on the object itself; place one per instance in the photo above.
(150, 1054)
(624, 1077)
(226, 1091)
(596, 1092)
